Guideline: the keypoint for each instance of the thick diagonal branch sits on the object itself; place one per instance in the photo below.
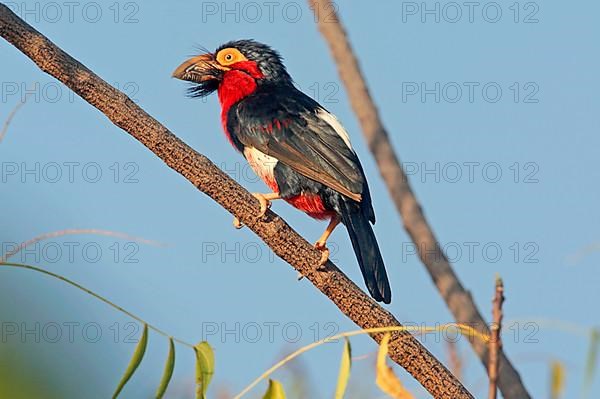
(284, 241)
(458, 299)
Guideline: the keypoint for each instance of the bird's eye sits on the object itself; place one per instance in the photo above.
(230, 56)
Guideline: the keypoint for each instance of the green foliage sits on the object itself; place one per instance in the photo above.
(205, 368)
(135, 361)
(205, 361)
(168, 373)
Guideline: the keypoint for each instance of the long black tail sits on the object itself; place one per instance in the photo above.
(367, 251)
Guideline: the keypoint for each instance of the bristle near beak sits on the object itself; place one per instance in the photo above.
(199, 69)
(204, 71)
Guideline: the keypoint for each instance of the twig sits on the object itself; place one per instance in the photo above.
(203, 174)
(495, 344)
(65, 232)
(457, 298)
(11, 116)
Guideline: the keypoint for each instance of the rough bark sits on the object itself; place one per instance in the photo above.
(457, 298)
(404, 349)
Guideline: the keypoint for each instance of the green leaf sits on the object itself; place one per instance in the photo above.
(275, 390)
(344, 374)
(205, 368)
(168, 373)
(592, 361)
(135, 361)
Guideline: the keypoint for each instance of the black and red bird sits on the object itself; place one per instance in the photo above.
(296, 146)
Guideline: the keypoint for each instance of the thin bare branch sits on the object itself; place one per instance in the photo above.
(457, 298)
(11, 115)
(61, 233)
(495, 344)
(202, 173)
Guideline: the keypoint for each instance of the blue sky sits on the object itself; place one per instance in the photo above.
(492, 114)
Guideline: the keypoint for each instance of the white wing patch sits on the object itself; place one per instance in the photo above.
(262, 164)
(336, 125)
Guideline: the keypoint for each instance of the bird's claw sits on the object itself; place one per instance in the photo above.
(322, 246)
(237, 224)
(265, 204)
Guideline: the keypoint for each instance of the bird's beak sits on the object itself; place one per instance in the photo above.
(200, 69)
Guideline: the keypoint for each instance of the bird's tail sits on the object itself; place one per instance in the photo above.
(367, 252)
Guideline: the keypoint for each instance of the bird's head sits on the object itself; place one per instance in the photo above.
(247, 60)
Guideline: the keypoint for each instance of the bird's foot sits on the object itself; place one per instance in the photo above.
(265, 203)
(236, 223)
(322, 246)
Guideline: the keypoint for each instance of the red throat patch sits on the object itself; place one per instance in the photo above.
(237, 83)
(235, 86)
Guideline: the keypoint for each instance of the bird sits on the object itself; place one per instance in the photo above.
(299, 149)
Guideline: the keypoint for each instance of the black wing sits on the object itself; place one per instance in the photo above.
(290, 126)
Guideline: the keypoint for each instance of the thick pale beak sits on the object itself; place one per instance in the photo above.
(199, 69)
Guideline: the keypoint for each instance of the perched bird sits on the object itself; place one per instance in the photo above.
(296, 146)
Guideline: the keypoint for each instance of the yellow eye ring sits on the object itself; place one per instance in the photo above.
(230, 56)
